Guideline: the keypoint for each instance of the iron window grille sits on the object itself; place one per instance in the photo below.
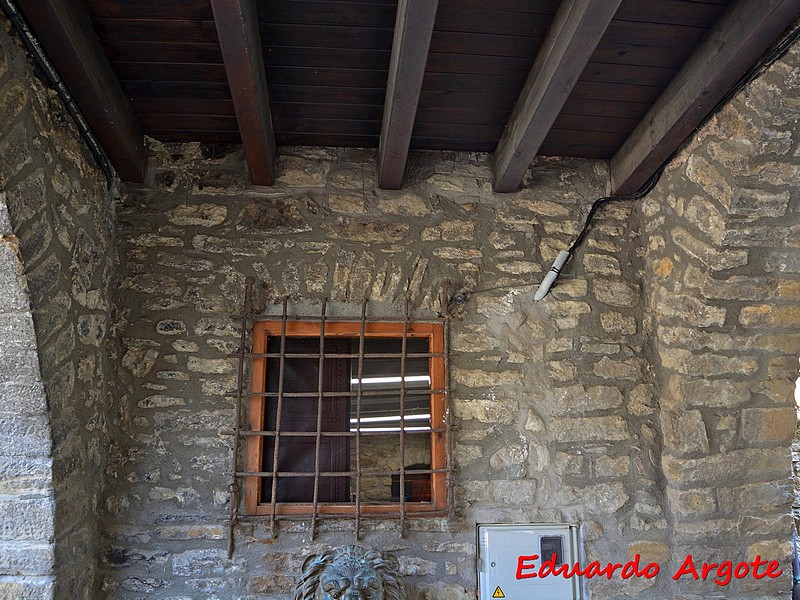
(329, 394)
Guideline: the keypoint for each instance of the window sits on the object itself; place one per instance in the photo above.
(353, 417)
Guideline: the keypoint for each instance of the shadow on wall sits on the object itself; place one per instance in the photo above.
(796, 505)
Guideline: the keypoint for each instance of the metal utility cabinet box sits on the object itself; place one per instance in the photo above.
(507, 551)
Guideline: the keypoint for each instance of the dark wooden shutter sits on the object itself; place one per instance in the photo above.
(297, 454)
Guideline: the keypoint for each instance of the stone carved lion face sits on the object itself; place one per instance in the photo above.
(350, 573)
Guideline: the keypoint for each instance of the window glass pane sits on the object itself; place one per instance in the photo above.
(381, 453)
(299, 413)
(379, 410)
(376, 415)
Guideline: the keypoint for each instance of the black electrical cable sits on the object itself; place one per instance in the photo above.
(643, 191)
(764, 63)
(54, 80)
(768, 59)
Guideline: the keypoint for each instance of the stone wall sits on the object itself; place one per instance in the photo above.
(56, 279)
(648, 397)
(553, 404)
(722, 241)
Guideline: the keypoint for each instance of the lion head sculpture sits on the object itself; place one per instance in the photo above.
(350, 573)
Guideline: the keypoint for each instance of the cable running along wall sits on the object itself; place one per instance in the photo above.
(343, 418)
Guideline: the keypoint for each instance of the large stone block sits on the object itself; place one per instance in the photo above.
(27, 587)
(684, 432)
(30, 559)
(783, 261)
(751, 289)
(590, 429)
(728, 393)
(24, 435)
(450, 231)
(692, 503)
(714, 259)
(687, 309)
(616, 293)
(769, 425)
(23, 398)
(747, 465)
(486, 411)
(771, 315)
(275, 216)
(27, 519)
(579, 400)
(34, 240)
(13, 286)
(630, 368)
(708, 177)
(18, 366)
(296, 171)
(201, 215)
(25, 475)
(16, 331)
(708, 364)
(600, 498)
(411, 205)
(760, 203)
(704, 214)
(202, 562)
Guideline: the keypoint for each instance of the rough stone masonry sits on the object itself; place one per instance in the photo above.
(57, 276)
(648, 398)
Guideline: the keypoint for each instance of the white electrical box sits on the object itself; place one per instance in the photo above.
(510, 557)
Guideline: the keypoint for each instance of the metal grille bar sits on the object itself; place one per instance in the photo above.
(365, 393)
(318, 441)
(330, 516)
(233, 488)
(329, 319)
(359, 396)
(352, 434)
(345, 355)
(338, 473)
(450, 483)
(404, 346)
(278, 417)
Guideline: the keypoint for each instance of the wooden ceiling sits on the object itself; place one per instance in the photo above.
(621, 80)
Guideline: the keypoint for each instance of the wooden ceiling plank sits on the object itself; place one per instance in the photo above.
(672, 12)
(521, 6)
(240, 41)
(175, 90)
(186, 106)
(743, 34)
(192, 71)
(412, 39)
(66, 34)
(150, 9)
(169, 52)
(576, 30)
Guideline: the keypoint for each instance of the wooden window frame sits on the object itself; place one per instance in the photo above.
(435, 332)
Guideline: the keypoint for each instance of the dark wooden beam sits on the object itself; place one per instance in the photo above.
(743, 34)
(65, 32)
(240, 41)
(572, 38)
(412, 39)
